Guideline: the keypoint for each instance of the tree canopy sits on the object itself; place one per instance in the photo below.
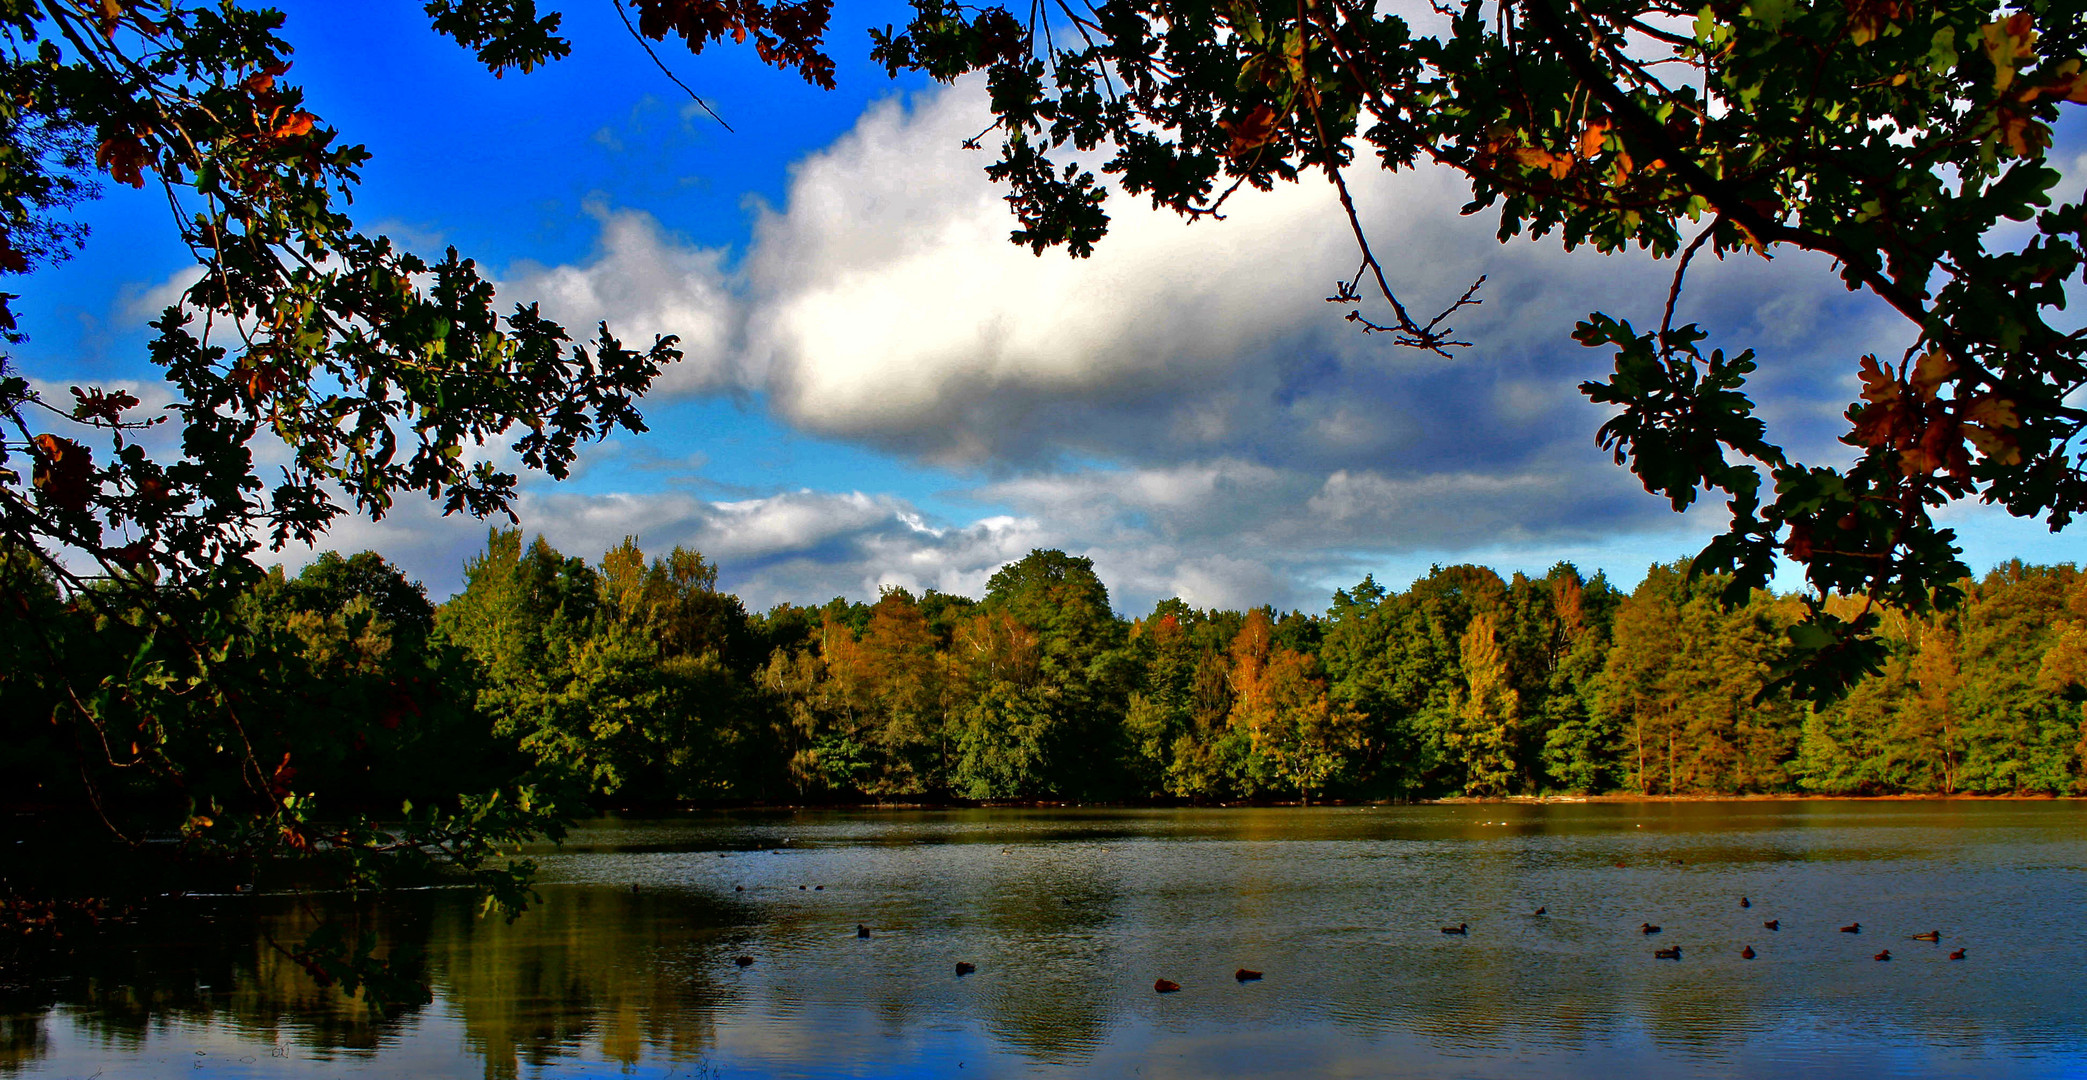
(1902, 140)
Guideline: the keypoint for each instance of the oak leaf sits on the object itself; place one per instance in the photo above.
(64, 472)
(1252, 131)
(1558, 165)
(125, 158)
(1591, 139)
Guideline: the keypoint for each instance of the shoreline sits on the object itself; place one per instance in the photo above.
(1449, 800)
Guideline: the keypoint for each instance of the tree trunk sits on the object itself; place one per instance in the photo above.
(1638, 723)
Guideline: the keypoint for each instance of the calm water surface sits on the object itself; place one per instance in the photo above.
(1071, 915)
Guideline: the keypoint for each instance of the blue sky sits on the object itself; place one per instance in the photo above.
(881, 391)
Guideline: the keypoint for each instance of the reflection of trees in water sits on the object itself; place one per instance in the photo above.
(206, 961)
(1051, 1001)
(23, 1039)
(587, 965)
(1069, 936)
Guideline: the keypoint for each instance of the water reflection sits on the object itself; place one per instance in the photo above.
(1070, 916)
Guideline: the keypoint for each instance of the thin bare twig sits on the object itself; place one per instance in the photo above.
(1666, 321)
(661, 64)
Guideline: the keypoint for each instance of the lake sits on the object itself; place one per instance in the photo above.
(1071, 915)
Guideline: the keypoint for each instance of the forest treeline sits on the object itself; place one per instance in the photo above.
(634, 680)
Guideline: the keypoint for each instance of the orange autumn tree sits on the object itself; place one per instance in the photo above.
(1294, 737)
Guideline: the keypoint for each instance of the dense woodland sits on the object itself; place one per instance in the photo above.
(629, 681)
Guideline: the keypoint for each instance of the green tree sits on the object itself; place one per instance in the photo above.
(2018, 736)
(1486, 710)
(1688, 682)
(1085, 669)
(1162, 708)
(1579, 749)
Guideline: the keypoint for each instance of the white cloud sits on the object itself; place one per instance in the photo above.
(643, 282)
(143, 303)
(885, 305)
(1183, 407)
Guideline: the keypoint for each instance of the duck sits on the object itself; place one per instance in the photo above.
(1747, 953)
(1885, 955)
(1648, 928)
(861, 930)
(1852, 928)
(1165, 986)
(1539, 911)
(1772, 924)
(1672, 953)
(738, 888)
(743, 961)
(1459, 928)
(1957, 955)
(1745, 903)
(1246, 975)
(1932, 935)
(965, 967)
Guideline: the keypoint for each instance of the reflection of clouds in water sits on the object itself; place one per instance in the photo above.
(1071, 915)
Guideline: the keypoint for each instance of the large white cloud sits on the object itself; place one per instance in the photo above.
(886, 305)
(1183, 407)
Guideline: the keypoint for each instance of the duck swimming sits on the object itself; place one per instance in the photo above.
(1673, 953)
(1747, 953)
(1885, 955)
(1932, 935)
(1772, 924)
(1648, 928)
(1852, 928)
(1459, 928)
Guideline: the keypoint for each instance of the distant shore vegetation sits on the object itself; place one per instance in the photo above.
(634, 681)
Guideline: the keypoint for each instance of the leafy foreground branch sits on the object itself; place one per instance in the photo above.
(1906, 141)
(141, 647)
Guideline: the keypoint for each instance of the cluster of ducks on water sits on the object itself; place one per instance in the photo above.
(1673, 952)
(1245, 975)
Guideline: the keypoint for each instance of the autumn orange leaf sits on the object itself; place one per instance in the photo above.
(1558, 165)
(1254, 130)
(1992, 412)
(125, 159)
(1591, 139)
(1878, 385)
(2007, 42)
(64, 472)
(1929, 374)
(297, 123)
